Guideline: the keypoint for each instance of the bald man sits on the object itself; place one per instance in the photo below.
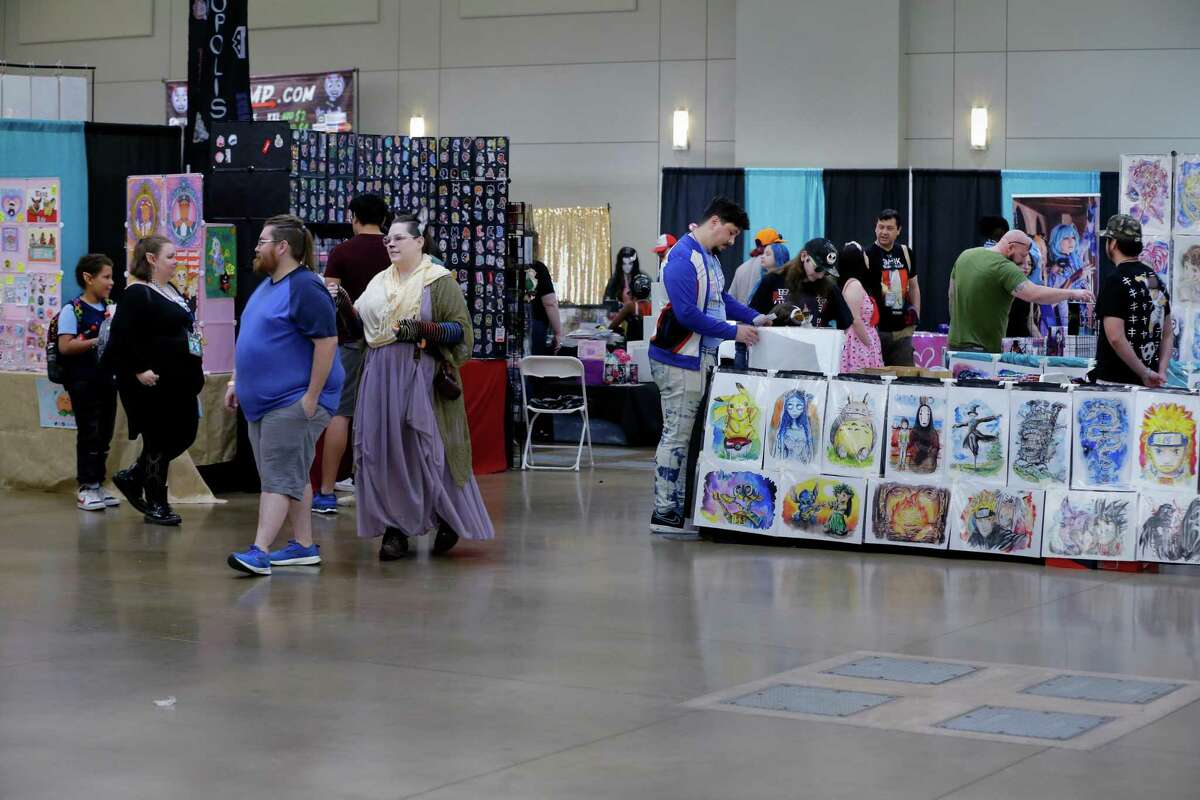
(984, 282)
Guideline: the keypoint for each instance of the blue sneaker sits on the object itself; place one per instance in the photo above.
(296, 555)
(251, 561)
(324, 504)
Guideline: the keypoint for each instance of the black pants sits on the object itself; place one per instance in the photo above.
(168, 430)
(95, 405)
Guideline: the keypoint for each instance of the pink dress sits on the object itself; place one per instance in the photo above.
(855, 354)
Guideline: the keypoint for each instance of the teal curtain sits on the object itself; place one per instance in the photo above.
(52, 149)
(1017, 182)
(790, 200)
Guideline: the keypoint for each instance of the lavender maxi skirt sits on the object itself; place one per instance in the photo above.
(401, 476)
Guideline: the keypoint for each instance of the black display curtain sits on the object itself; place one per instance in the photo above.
(686, 192)
(114, 152)
(854, 198)
(1110, 189)
(947, 205)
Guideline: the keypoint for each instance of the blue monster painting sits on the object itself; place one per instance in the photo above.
(1102, 425)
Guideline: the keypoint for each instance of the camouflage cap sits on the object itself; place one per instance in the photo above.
(1122, 228)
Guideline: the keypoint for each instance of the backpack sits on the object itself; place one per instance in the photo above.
(54, 366)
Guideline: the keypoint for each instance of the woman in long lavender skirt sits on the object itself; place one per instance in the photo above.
(412, 448)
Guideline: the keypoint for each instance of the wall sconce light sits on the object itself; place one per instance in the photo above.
(979, 128)
(416, 126)
(679, 129)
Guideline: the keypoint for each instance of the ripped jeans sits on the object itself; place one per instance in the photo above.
(681, 392)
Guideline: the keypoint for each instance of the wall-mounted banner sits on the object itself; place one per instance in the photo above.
(322, 101)
(218, 73)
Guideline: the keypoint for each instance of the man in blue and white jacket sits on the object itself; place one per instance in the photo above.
(685, 346)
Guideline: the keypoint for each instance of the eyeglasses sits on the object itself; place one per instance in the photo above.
(261, 242)
(390, 239)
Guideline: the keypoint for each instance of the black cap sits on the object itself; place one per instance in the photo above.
(824, 255)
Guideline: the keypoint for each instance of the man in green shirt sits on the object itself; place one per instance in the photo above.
(984, 282)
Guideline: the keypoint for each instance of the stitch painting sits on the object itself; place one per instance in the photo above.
(816, 507)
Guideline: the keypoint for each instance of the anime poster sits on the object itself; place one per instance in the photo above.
(910, 515)
(143, 209)
(854, 427)
(1185, 270)
(796, 409)
(1065, 230)
(1168, 528)
(971, 367)
(220, 262)
(1166, 440)
(184, 209)
(734, 499)
(996, 520)
(1146, 191)
(978, 434)
(42, 200)
(43, 245)
(1039, 439)
(1090, 525)
(818, 507)
(1102, 439)
(736, 419)
(12, 200)
(1187, 194)
(1156, 254)
(916, 431)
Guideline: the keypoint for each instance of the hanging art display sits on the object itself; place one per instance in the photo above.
(733, 429)
(1185, 270)
(1166, 440)
(1145, 184)
(916, 430)
(797, 409)
(1090, 525)
(978, 434)
(31, 227)
(1064, 229)
(1102, 438)
(854, 425)
(220, 262)
(909, 515)
(184, 210)
(1039, 443)
(42, 200)
(996, 520)
(733, 499)
(1168, 528)
(1156, 254)
(819, 507)
(1187, 194)
(12, 200)
(143, 209)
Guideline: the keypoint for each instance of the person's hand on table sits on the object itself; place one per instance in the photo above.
(763, 320)
(1153, 379)
(746, 334)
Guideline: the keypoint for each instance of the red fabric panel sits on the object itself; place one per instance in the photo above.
(485, 389)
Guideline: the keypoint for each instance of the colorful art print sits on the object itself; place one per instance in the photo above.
(909, 515)
(42, 244)
(1056, 341)
(184, 209)
(41, 200)
(1187, 194)
(1017, 372)
(54, 405)
(1090, 525)
(916, 430)
(736, 418)
(1102, 440)
(1185, 270)
(1039, 445)
(978, 433)
(1065, 234)
(966, 369)
(794, 429)
(16, 290)
(817, 507)
(12, 202)
(1166, 440)
(739, 500)
(1146, 190)
(997, 520)
(1156, 254)
(1168, 528)
(220, 262)
(188, 266)
(854, 427)
(143, 206)
(10, 239)
(44, 294)
(1027, 346)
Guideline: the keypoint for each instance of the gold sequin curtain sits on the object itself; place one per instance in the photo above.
(575, 245)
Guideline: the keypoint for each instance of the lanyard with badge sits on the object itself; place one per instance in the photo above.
(195, 346)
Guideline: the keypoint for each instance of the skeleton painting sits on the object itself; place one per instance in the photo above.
(734, 429)
(737, 500)
(1168, 528)
(817, 507)
(854, 425)
(909, 515)
(916, 430)
(797, 408)
(1166, 440)
(1097, 526)
(996, 520)
(1039, 445)
(1102, 439)
(978, 434)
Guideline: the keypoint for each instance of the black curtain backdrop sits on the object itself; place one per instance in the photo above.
(947, 205)
(114, 152)
(685, 193)
(854, 198)
(1110, 190)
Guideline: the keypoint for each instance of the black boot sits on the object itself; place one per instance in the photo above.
(158, 510)
(395, 545)
(444, 540)
(129, 483)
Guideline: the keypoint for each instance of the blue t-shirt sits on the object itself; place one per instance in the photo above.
(275, 344)
(68, 325)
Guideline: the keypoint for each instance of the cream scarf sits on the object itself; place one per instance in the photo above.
(390, 298)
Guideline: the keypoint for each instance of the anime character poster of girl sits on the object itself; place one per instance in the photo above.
(1185, 270)
(1187, 194)
(995, 520)
(1168, 528)
(1039, 438)
(1102, 438)
(818, 507)
(1146, 191)
(739, 500)
(733, 429)
(1166, 440)
(977, 444)
(796, 409)
(1065, 231)
(184, 209)
(1156, 254)
(909, 515)
(854, 427)
(1098, 526)
(143, 206)
(916, 431)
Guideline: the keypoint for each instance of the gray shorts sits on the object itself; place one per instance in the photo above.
(284, 443)
(351, 356)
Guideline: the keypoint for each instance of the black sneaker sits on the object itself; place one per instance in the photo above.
(394, 546)
(671, 522)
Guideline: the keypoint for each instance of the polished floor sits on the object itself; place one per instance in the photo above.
(552, 663)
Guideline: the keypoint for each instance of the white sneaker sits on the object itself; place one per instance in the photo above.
(109, 500)
(90, 499)
(344, 486)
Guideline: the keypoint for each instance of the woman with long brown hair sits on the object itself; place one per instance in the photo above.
(804, 292)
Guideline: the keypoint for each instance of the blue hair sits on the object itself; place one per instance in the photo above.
(782, 256)
(1066, 230)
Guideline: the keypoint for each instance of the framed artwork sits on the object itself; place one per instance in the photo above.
(915, 437)
(1168, 528)
(1146, 191)
(796, 409)
(1165, 424)
(220, 262)
(1039, 438)
(854, 425)
(1102, 438)
(909, 515)
(735, 499)
(819, 507)
(992, 519)
(183, 210)
(978, 434)
(736, 418)
(1098, 526)
(143, 209)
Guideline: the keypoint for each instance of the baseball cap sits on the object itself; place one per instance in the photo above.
(1122, 228)
(824, 255)
(664, 243)
(768, 236)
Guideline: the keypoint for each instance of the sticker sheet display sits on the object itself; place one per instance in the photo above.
(44, 294)
(796, 409)
(978, 434)
(1039, 441)
(1102, 439)
(910, 515)
(992, 519)
(1146, 191)
(735, 499)
(1168, 528)
(1166, 440)
(916, 431)
(1090, 525)
(1187, 194)
(1185, 271)
(220, 262)
(854, 427)
(736, 418)
(820, 507)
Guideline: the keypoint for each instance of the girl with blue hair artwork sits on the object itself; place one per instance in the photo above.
(793, 440)
(1062, 266)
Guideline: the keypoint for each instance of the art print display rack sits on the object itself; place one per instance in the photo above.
(31, 274)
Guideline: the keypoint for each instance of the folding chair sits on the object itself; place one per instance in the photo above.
(554, 367)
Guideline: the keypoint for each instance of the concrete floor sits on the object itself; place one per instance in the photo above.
(550, 663)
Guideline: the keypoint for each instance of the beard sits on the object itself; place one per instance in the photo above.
(265, 265)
